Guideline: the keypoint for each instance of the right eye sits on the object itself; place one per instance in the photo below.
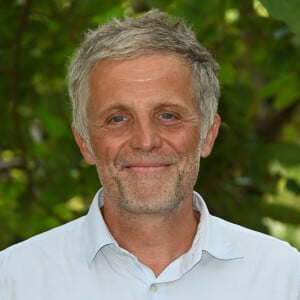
(118, 119)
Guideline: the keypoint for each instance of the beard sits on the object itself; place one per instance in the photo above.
(158, 193)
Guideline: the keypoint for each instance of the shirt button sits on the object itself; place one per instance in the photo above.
(153, 288)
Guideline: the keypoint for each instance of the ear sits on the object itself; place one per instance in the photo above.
(211, 137)
(84, 149)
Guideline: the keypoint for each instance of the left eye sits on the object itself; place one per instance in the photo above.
(167, 116)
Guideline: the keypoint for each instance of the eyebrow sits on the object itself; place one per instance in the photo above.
(115, 107)
(124, 107)
(172, 105)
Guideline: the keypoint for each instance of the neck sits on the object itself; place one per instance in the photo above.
(156, 240)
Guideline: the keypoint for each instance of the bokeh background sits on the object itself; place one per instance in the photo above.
(253, 175)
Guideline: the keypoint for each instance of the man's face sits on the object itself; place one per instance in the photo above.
(144, 129)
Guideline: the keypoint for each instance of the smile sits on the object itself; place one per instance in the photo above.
(147, 168)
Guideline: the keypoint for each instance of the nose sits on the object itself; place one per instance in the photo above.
(145, 136)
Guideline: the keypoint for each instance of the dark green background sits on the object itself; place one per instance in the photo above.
(251, 178)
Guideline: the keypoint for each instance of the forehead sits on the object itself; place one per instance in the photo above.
(146, 79)
(143, 67)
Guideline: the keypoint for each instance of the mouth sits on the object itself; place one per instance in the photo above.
(147, 168)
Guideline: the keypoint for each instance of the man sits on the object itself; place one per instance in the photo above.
(144, 96)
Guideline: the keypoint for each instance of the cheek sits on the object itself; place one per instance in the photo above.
(99, 145)
(106, 147)
(186, 141)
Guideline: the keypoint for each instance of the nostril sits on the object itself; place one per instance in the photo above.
(146, 138)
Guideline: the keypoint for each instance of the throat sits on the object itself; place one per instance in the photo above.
(155, 241)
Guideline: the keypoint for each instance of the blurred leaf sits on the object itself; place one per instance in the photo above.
(51, 123)
(285, 90)
(286, 153)
(293, 186)
(285, 10)
(281, 213)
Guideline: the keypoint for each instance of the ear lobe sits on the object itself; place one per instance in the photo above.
(211, 137)
(84, 149)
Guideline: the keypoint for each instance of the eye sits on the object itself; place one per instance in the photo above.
(118, 119)
(167, 116)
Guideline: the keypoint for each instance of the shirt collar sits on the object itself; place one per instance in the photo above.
(210, 237)
(97, 232)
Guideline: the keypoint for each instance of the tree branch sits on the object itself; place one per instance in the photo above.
(269, 128)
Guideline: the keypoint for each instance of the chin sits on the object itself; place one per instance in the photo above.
(150, 201)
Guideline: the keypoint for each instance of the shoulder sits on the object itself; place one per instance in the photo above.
(46, 244)
(258, 245)
(37, 264)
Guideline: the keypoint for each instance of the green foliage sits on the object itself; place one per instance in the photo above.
(288, 11)
(253, 174)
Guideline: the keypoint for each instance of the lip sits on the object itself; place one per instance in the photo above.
(147, 168)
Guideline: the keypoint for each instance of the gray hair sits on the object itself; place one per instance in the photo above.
(154, 32)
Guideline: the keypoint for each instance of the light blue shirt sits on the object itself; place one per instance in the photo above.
(81, 260)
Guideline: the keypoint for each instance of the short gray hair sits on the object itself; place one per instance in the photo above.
(153, 32)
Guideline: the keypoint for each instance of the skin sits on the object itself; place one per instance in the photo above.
(145, 129)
